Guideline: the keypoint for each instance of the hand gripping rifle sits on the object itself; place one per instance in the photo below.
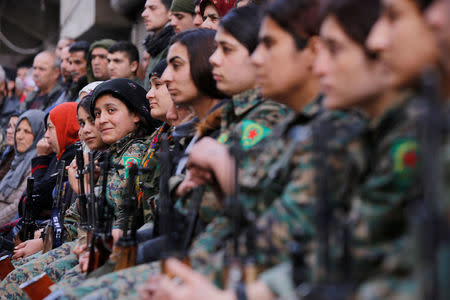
(126, 246)
(53, 233)
(82, 199)
(101, 241)
(29, 225)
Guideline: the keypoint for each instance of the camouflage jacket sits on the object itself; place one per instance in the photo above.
(380, 238)
(148, 183)
(127, 151)
(280, 187)
(248, 119)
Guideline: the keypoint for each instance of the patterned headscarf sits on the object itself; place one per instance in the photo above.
(222, 6)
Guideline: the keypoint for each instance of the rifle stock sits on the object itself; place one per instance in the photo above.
(6, 266)
(48, 240)
(127, 257)
(38, 288)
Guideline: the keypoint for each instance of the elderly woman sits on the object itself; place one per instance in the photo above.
(214, 10)
(29, 130)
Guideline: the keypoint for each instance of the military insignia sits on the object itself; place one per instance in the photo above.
(128, 161)
(223, 138)
(404, 156)
(252, 134)
(132, 85)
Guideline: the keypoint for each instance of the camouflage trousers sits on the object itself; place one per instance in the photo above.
(20, 262)
(54, 263)
(116, 285)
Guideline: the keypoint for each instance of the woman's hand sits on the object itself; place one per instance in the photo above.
(28, 248)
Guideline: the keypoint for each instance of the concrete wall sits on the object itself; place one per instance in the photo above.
(92, 20)
(76, 17)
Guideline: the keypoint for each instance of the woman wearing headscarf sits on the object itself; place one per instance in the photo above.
(213, 11)
(7, 156)
(29, 130)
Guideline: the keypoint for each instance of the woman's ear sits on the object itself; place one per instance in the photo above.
(136, 118)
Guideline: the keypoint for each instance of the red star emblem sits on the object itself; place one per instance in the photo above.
(252, 134)
(410, 159)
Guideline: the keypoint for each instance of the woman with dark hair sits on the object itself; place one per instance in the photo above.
(62, 258)
(279, 188)
(214, 10)
(188, 75)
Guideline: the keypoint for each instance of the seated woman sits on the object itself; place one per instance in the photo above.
(29, 130)
(8, 154)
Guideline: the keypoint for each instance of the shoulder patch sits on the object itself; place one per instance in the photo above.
(128, 161)
(405, 159)
(252, 133)
(223, 138)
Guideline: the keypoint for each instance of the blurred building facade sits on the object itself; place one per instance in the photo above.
(30, 26)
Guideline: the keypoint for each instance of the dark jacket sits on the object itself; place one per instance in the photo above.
(47, 101)
(43, 170)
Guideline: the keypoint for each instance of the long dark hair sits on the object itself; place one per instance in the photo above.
(200, 46)
(300, 18)
(243, 24)
(356, 18)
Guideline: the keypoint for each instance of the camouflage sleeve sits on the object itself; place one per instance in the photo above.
(381, 223)
(117, 181)
(292, 213)
(71, 221)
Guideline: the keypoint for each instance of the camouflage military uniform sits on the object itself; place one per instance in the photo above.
(148, 184)
(379, 238)
(247, 116)
(281, 187)
(128, 150)
(247, 119)
(54, 262)
(381, 241)
(280, 197)
(274, 167)
(9, 287)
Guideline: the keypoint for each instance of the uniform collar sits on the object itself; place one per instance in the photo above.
(245, 101)
(397, 106)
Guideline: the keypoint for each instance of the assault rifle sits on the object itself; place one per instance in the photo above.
(170, 223)
(28, 225)
(91, 199)
(53, 232)
(126, 246)
(101, 240)
(234, 274)
(325, 286)
(82, 199)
